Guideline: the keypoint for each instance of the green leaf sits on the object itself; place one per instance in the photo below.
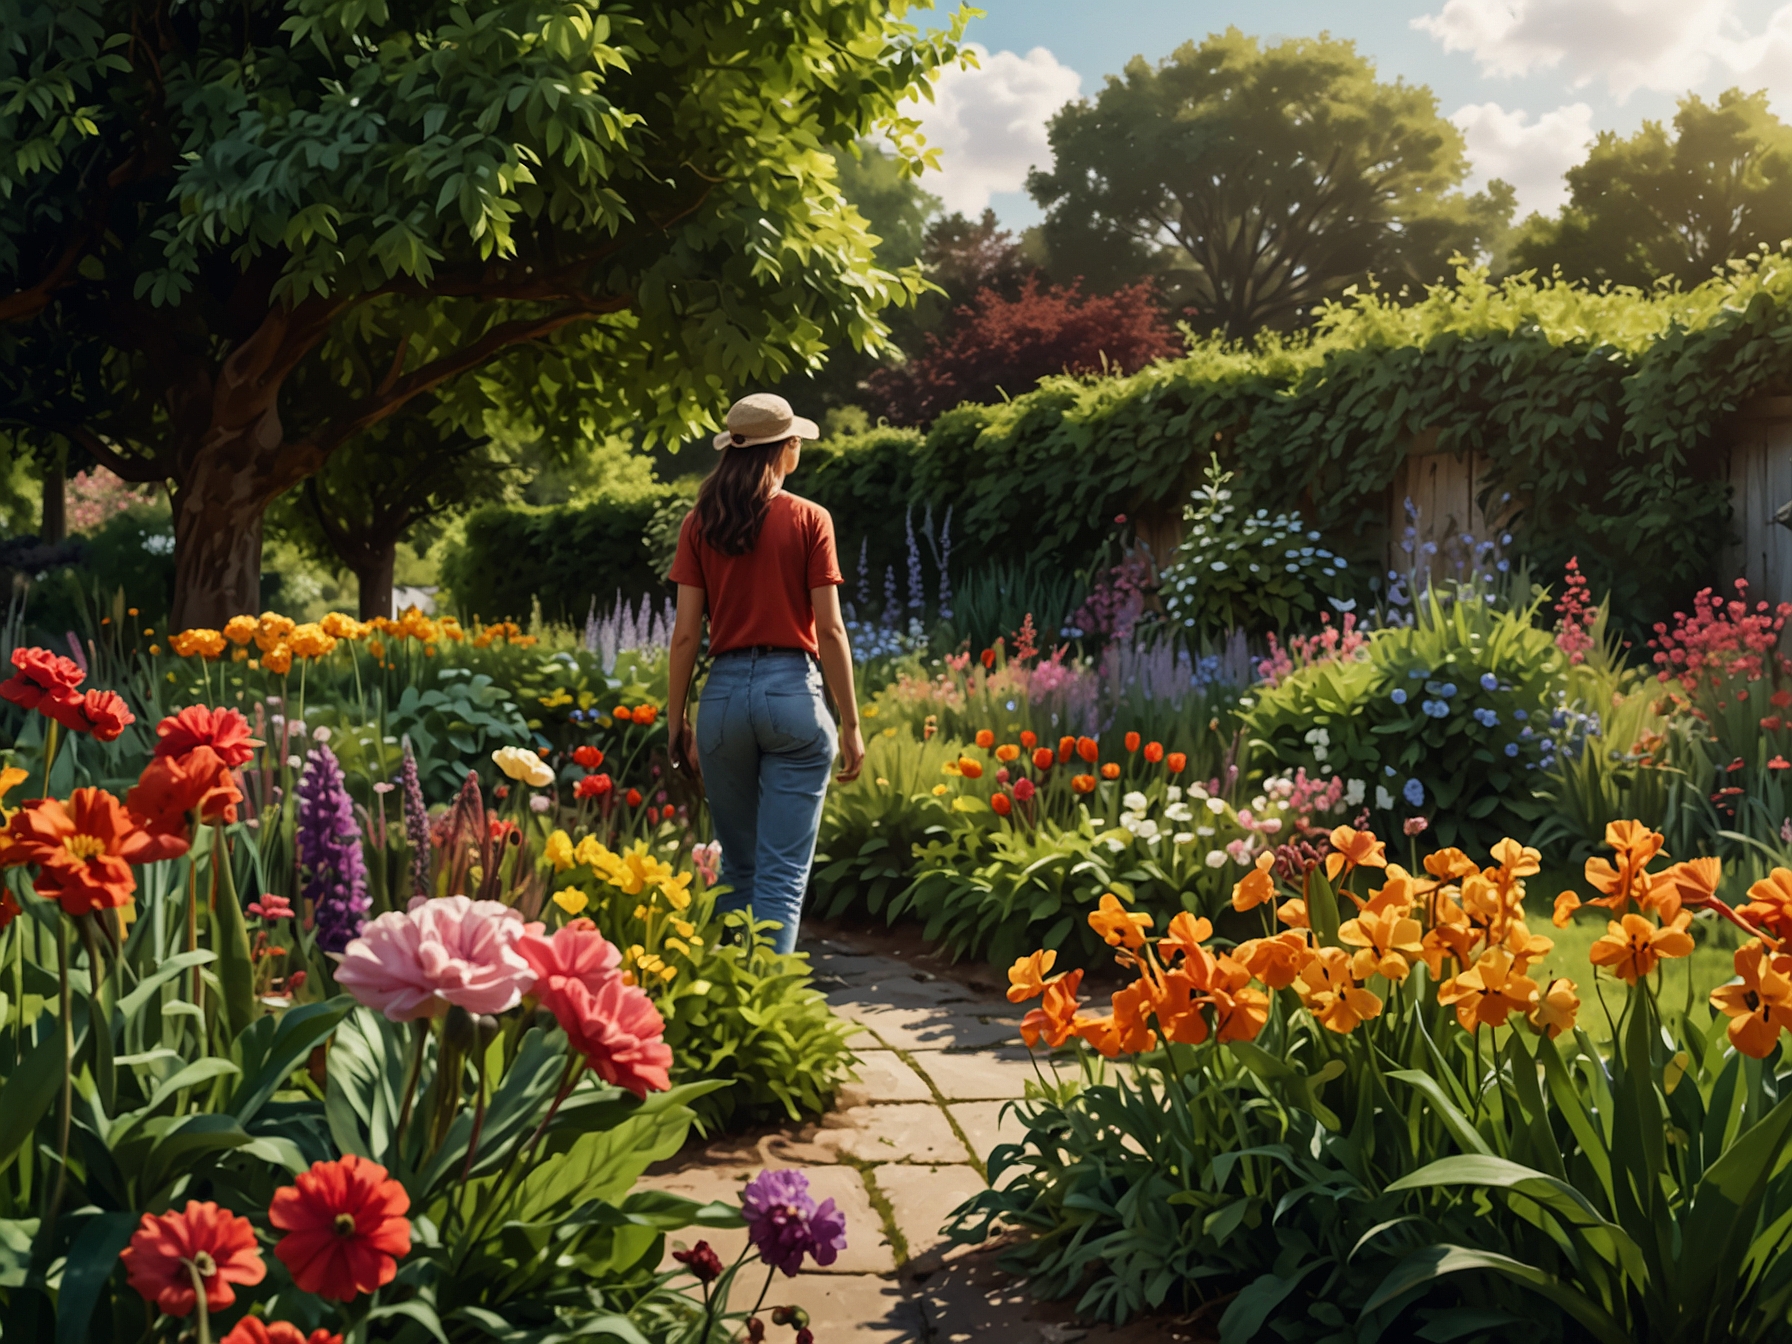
(91, 1258)
(31, 1090)
(300, 1030)
(1434, 1262)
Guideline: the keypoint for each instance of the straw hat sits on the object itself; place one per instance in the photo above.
(763, 417)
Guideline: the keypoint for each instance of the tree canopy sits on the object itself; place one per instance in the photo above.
(1262, 181)
(1682, 204)
(609, 216)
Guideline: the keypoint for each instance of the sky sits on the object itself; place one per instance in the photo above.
(1529, 82)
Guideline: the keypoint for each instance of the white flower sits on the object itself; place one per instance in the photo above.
(1270, 825)
(293, 762)
(1259, 804)
(523, 765)
(1196, 791)
(1383, 799)
(1317, 737)
(1218, 805)
(1173, 794)
(1353, 792)
(1204, 831)
(321, 733)
(1216, 858)
(1185, 837)
(1146, 830)
(1177, 812)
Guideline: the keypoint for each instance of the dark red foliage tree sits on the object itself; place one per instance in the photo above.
(995, 345)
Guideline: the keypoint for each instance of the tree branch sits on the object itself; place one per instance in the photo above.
(151, 472)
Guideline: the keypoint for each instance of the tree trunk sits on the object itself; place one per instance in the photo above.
(54, 527)
(217, 543)
(376, 582)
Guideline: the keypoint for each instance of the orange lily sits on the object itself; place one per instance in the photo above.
(1632, 947)
(1352, 849)
(1026, 978)
(1761, 1005)
(1117, 925)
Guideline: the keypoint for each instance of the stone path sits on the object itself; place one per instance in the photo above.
(903, 1147)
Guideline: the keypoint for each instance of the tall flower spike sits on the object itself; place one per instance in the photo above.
(329, 845)
(416, 822)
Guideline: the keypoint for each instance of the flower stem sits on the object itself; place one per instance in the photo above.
(65, 1006)
(201, 1316)
(420, 1034)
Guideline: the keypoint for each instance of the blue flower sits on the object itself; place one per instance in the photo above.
(1414, 793)
(1489, 682)
(1486, 718)
(1520, 715)
(1511, 748)
(1388, 770)
(1417, 673)
(1437, 709)
(1447, 689)
(1399, 695)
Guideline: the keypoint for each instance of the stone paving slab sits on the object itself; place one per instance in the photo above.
(906, 1132)
(883, 1078)
(930, 1029)
(987, 1123)
(867, 1250)
(984, 1075)
(923, 1199)
(860, 1308)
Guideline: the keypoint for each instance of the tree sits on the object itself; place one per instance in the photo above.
(1652, 204)
(1262, 182)
(998, 346)
(634, 211)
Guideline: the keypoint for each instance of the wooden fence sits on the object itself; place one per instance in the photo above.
(1757, 462)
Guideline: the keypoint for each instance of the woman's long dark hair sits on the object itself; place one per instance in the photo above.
(734, 499)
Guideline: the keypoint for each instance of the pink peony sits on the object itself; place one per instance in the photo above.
(617, 1030)
(576, 952)
(442, 951)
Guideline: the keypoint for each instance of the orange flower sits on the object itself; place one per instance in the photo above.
(1770, 904)
(1066, 749)
(1692, 882)
(1761, 1004)
(622, 714)
(1635, 846)
(1001, 805)
(83, 851)
(1132, 742)
(1330, 993)
(1525, 947)
(1450, 865)
(240, 630)
(1178, 1005)
(970, 769)
(1275, 961)
(1390, 939)
(271, 631)
(1132, 1005)
(1154, 752)
(1186, 935)
(645, 715)
(1257, 886)
(1240, 1009)
(1055, 1020)
(1110, 771)
(278, 660)
(1294, 914)
(1451, 935)
(1029, 739)
(1043, 759)
(1516, 860)
(985, 738)
(1556, 1009)
(1353, 849)
(1632, 948)
(1083, 783)
(1175, 762)
(1489, 991)
(1117, 925)
(1088, 749)
(1007, 753)
(1566, 904)
(1026, 978)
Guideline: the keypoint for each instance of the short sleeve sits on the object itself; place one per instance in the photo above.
(824, 562)
(687, 567)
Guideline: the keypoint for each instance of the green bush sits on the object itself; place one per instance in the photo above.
(563, 557)
(1451, 718)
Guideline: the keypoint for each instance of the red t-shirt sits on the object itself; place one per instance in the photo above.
(762, 597)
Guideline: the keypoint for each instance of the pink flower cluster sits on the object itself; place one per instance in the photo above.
(483, 957)
(1331, 644)
(1721, 641)
(1575, 613)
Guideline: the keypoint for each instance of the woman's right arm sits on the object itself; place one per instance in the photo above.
(687, 641)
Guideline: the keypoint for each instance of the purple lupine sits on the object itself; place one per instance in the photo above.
(329, 845)
(784, 1224)
(416, 822)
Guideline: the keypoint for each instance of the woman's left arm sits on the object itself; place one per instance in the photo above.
(836, 671)
(687, 640)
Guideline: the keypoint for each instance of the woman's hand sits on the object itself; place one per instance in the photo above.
(681, 745)
(852, 753)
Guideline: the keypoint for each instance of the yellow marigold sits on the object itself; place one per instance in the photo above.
(277, 660)
(200, 642)
(272, 630)
(310, 640)
(341, 626)
(241, 629)
(559, 852)
(451, 629)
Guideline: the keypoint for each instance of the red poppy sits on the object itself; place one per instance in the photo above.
(633, 798)
(44, 681)
(592, 786)
(617, 1030)
(1083, 783)
(1154, 752)
(83, 851)
(1001, 805)
(988, 658)
(1110, 771)
(105, 715)
(215, 1241)
(1066, 748)
(345, 1228)
(1088, 749)
(1132, 741)
(1043, 758)
(254, 1330)
(171, 788)
(224, 731)
(1176, 762)
(587, 757)
(1029, 739)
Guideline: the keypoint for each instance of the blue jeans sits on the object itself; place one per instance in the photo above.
(766, 743)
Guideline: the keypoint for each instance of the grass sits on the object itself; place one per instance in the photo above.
(1708, 967)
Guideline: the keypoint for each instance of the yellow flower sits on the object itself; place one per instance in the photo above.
(677, 890)
(559, 851)
(559, 697)
(593, 855)
(952, 769)
(1116, 924)
(310, 641)
(201, 643)
(272, 629)
(523, 765)
(685, 930)
(277, 660)
(571, 900)
(870, 711)
(339, 626)
(939, 790)
(1390, 939)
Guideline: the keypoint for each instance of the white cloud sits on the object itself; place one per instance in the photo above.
(989, 123)
(1530, 154)
(1663, 45)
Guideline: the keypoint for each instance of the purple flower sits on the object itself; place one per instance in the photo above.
(784, 1224)
(329, 845)
(416, 823)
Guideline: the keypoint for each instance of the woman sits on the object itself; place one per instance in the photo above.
(762, 564)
